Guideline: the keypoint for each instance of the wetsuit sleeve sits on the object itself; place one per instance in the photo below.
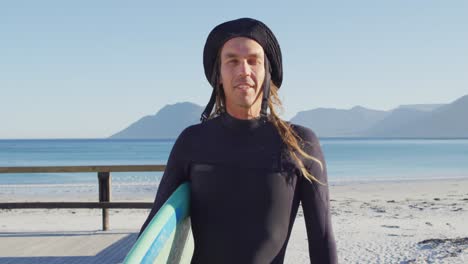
(174, 175)
(315, 204)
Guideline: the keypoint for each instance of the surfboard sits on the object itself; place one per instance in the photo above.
(168, 237)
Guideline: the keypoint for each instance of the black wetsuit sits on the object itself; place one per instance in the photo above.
(245, 192)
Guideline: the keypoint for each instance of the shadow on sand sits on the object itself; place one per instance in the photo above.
(115, 253)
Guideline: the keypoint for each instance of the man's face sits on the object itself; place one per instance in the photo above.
(242, 73)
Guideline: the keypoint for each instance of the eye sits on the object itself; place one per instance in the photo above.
(254, 61)
(232, 61)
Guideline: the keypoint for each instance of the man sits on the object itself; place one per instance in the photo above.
(249, 170)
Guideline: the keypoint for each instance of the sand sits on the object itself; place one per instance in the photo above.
(378, 222)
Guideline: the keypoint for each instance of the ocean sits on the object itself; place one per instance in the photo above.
(347, 159)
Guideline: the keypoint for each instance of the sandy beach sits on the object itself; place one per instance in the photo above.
(378, 222)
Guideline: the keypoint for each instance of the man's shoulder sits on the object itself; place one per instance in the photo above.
(199, 129)
(305, 133)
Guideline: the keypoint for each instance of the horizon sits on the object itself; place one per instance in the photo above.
(325, 137)
(327, 108)
(90, 69)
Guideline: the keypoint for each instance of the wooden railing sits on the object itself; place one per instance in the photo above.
(104, 182)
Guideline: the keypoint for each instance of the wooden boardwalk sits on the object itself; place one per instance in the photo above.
(65, 247)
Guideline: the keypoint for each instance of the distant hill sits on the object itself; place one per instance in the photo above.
(167, 123)
(421, 107)
(447, 121)
(332, 122)
(409, 121)
(413, 121)
(396, 119)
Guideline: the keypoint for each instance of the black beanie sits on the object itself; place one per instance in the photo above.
(249, 28)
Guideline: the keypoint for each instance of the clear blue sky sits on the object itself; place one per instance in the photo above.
(87, 69)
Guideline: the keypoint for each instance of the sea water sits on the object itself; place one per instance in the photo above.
(346, 159)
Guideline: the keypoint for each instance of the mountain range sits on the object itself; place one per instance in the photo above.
(167, 123)
(405, 121)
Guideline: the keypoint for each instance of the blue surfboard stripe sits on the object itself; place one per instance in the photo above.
(163, 236)
(160, 240)
(179, 213)
(179, 204)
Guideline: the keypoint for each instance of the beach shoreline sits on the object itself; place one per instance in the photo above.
(374, 222)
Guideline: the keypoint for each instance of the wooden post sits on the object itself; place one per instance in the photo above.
(104, 179)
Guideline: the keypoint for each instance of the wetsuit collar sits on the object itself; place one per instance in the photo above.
(247, 124)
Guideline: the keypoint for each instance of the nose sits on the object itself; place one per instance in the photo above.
(245, 69)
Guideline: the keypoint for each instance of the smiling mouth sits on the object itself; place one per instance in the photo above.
(244, 86)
